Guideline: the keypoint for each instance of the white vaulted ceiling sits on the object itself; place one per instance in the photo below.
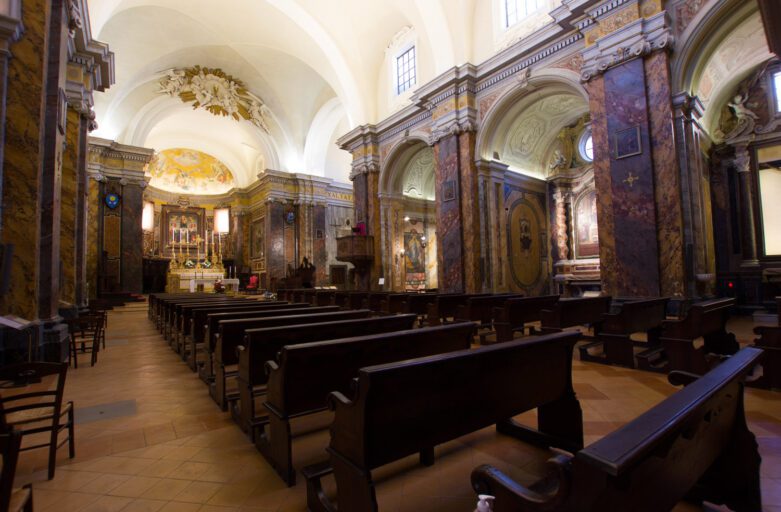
(321, 67)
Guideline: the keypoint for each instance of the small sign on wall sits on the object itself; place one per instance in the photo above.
(448, 190)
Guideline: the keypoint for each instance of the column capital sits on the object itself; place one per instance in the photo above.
(11, 26)
(638, 38)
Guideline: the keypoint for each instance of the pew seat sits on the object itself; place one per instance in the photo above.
(694, 445)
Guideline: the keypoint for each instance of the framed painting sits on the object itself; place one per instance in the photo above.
(627, 142)
(586, 228)
(182, 226)
(258, 239)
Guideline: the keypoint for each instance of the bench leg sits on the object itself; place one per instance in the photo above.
(559, 424)
(619, 350)
(276, 445)
(218, 387)
(354, 486)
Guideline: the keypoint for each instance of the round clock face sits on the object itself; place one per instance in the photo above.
(112, 200)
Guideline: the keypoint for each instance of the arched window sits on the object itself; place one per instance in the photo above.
(586, 146)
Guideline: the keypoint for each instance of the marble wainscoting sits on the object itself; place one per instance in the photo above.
(666, 177)
(449, 222)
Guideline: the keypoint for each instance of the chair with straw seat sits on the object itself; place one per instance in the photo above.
(12, 500)
(85, 336)
(39, 410)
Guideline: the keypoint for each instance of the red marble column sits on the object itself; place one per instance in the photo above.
(366, 195)
(624, 174)
(458, 215)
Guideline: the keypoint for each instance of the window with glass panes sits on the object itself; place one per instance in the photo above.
(516, 10)
(405, 70)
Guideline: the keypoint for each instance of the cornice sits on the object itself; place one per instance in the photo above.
(94, 55)
(11, 26)
(636, 39)
(111, 149)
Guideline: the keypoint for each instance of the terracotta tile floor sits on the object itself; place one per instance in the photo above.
(175, 451)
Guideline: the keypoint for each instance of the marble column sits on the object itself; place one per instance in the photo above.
(94, 223)
(624, 175)
(319, 254)
(68, 213)
(470, 213)
(131, 270)
(366, 193)
(237, 232)
(747, 216)
(82, 227)
(491, 185)
(10, 32)
(450, 248)
(275, 240)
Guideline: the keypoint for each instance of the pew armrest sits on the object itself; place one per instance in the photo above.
(512, 496)
(681, 378)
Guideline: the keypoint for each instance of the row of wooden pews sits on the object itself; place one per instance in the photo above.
(396, 390)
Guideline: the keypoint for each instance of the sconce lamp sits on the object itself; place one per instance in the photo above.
(423, 241)
(148, 217)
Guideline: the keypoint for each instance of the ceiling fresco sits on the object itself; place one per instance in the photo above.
(187, 171)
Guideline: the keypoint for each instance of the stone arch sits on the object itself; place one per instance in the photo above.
(549, 100)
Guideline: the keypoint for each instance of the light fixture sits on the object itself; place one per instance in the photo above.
(222, 220)
(148, 217)
(406, 218)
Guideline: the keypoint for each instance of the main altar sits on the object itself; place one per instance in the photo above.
(196, 272)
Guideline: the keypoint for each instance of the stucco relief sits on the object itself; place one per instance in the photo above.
(419, 175)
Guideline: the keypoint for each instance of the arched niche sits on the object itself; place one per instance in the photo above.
(537, 134)
(408, 210)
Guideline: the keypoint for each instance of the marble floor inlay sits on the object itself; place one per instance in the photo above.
(162, 444)
(101, 412)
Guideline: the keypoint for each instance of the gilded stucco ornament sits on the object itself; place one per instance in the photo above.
(217, 92)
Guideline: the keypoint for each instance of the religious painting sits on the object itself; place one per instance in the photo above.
(187, 171)
(627, 142)
(414, 257)
(525, 242)
(586, 228)
(258, 239)
(449, 190)
(182, 226)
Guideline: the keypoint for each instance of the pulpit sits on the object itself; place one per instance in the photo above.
(358, 250)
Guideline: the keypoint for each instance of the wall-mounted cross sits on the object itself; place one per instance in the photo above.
(631, 179)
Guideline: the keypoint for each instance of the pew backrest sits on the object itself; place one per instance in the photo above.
(572, 312)
(636, 316)
(701, 319)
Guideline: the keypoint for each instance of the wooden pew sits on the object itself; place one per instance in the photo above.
(355, 301)
(408, 407)
(340, 299)
(166, 310)
(695, 445)
(198, 319)
(303, 375)
(212, 331)
(614, 339)
(769, 341)
(516, 313)
(573, 312)
(706, 320)
(156, 300)
(184, 322)
(324, 297)
(262, 345)
(392, 303)
(231, 335)
(174, 309)
(373, 301)
(444, 306)
(480, 310)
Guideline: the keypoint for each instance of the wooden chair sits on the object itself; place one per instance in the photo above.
(85, 330)
(40, 410)
(12, 500)
(252, 286)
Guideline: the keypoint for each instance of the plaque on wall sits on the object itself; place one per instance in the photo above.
(448, 190)
(627, 142)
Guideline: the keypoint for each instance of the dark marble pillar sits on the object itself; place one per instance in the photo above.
(82, 198)
(470, 213)
(275, 241)
(131, 272)
(747, 217)
(319, 253)
(624, 175)
(366, 193)
(237, 232)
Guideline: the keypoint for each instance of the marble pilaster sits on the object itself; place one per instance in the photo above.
(450, 248)
(10, 32)
(470, 213)
(131, 277)
(68, 213)
(747, 216)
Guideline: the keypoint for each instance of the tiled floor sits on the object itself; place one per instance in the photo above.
(151, 439)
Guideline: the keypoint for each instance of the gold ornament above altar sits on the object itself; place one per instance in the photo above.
(217, 92)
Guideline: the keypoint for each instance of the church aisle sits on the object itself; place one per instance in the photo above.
(149, 438)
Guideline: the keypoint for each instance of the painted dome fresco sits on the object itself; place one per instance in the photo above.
(187, 171)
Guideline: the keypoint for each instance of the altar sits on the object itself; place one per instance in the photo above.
(188, 280)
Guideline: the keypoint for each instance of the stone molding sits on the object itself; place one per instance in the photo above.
(11, 26)
(636, 39)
